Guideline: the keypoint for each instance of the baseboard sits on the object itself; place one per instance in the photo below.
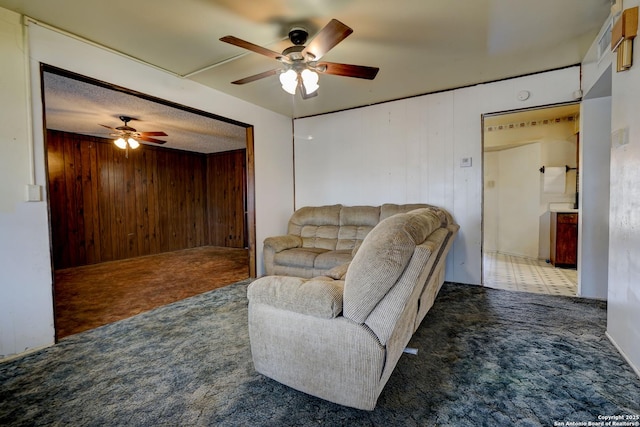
(24, 353)
(624, 356)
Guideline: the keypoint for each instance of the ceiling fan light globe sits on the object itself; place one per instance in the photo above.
(133, 143)
(310, 81)
(289, 81)
(120, 143)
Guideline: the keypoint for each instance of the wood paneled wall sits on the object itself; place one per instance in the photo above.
(227, 199)
(105, 206)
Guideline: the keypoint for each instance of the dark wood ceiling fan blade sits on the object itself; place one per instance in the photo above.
(332, 34)
(148, 139)
(256, 77)
(252, 47)
(348, 70)
(159, 133)
(108, 127)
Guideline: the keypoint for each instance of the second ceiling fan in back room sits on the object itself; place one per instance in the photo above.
(301, 64)
(128, 136)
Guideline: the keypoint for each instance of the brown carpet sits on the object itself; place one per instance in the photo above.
(94, 295)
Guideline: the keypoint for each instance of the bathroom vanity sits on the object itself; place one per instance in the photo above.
(564, 238)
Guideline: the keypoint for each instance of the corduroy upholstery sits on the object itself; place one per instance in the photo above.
(339, 336)
(320, 238)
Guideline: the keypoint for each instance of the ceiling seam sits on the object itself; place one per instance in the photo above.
(27, 19)
(225, 61)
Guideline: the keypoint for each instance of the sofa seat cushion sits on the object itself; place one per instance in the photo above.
(382, 259)
(319, 297)
(298, 257)
(328, 260)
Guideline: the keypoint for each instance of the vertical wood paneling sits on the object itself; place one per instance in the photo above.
(105, 206)
(250, 204)
(200, 199)
(57, 201)
(104, 202)
(131, 204)
(163, 180)
(69, 213)
(142, 221)
(151, 165)
(116, 179)
(227, 198)
(93, 178)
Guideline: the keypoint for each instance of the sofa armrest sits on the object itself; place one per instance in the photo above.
(319, 297)
(275, 244)
(281, 243)
(339, 272)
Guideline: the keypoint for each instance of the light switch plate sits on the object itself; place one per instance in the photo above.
(465, 162)
(620, 137)
(34, 193)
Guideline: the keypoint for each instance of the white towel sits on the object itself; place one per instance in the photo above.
(555, 179)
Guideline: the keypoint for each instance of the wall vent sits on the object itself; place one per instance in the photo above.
(604, 42)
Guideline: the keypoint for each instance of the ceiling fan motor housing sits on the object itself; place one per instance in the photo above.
(126, 127)
(298, 36)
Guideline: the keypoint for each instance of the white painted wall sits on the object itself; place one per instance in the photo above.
(26, 308)
(26, 317)
(623, 311)
(517, 222)
(410, 151)
(490, 215)
(595, 154)
(519, 200)
(593, 224)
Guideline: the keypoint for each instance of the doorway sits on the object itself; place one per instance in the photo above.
(192, 189)
(519, 199)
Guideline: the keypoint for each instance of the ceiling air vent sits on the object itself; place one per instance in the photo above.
(604, 42)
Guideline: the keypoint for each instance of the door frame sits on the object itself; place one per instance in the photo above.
(482, 148)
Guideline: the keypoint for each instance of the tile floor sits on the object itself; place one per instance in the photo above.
(516, 273)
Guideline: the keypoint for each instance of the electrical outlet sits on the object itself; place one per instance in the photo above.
(465, 162)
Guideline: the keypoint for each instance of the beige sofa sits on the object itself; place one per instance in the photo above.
(320, 238)
(339, 337)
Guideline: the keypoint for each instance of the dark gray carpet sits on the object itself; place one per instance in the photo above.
(486, 357)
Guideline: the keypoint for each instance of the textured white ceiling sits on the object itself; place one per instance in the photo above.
(81, 107)
(421, 46)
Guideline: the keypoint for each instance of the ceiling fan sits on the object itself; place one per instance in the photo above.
(301, 64)
(128, 136)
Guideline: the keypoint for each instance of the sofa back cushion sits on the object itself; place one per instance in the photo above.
(382, 258)
(390, 209)
(355, 223)
(341, 227)
(317, 225)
